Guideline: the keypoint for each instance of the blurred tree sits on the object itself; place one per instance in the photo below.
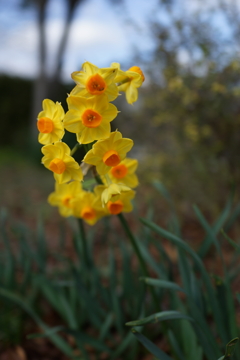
(47, 86)
(189, 115)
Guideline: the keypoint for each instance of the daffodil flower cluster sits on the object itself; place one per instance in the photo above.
(89, 115)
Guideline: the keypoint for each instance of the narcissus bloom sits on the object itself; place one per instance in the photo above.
(113, 191)
(118, 204)
(63, 196)
(124, 173)
(109, 152)
(129, 81)
(57, 158)
(84, 207)
(92, 81)
(50, 123)
(89, 118)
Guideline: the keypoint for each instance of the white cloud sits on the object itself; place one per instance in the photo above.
(97, 35)
(18, 51)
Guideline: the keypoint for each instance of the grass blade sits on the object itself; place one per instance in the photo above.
(231, 242)
(211, 294)
(230, 348)
(47, 333)
(57, 340)
(215, 229)
(152, 348)
(161, 316)
(163, 284)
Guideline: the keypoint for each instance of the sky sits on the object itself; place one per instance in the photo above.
(100, 33)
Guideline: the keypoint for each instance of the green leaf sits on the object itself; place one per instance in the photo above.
(47, 333)
(116, 306)
(205, 276)
(123, 345)
(41, 254)
(152, 263)
(165, 193)
(231, 242)
(233, 218)
(230, 348)
(158, 353)
(106, 326)
(86, 339)
(175, 346)
(215, 228)
(89, 183)
(164, 284)
(57, 340)
(209, 232)
(161, 316)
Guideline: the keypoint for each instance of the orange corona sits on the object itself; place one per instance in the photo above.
(88, 213)
(91, 118)
(116, 207)
(111, 158)
(119, 171)
(137, 70)
(66, 201)
(96, 85)
(57, 166)
(45, 125)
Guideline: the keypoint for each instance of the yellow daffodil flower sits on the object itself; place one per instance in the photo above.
(129, 81)
(57, 158)
(117, 204)
(124, 173)
(63, 196)
(84, 207)
(50, 123)
(109, 152)
(92, 81)
(113, 191)
(89, 118)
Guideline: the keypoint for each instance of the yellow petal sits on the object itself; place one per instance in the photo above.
(131, 180)
(86, 136)
(91, 158)
(65, 212)
(131, 94)
(109, 74)
(131, 164)
(102, 169)
(49, 107)
(59, 113)
(72, 121)
(76, 102)
(110, 113)
(123, 146)
(89, 68)
(80, 78)
(62, 178)
(112, 92)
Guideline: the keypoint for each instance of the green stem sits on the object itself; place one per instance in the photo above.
(84, 243)
(124, 81)
(134, 244)
(76, 147)
(96, 176)
(138, 253)
(108, 179)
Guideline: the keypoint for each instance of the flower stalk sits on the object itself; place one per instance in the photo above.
(139, 255)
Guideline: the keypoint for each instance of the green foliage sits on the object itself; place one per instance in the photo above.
(16, 276)
(230, 348)
(189, 310)
(203, 298)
